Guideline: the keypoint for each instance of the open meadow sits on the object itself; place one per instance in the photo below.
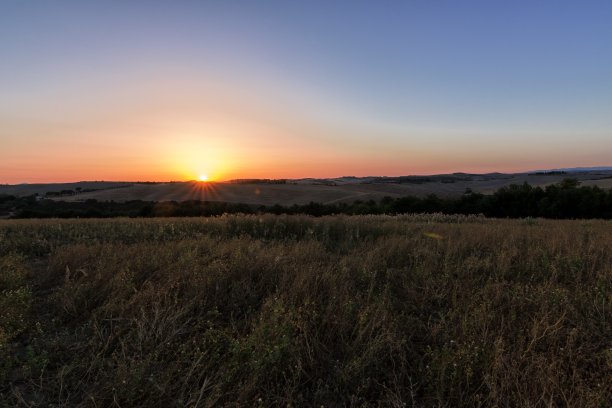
(414, 310)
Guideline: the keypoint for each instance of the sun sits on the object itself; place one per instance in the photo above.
(203, 177)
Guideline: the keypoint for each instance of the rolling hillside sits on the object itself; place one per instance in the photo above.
(328, 191)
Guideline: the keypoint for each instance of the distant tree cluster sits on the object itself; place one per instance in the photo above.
(452, 178)
(259, 181)
(79, 190)
(563, 200)
(106, 209)
(76, 191)
(548, 173)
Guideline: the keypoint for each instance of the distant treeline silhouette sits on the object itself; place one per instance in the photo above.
(258, 181)
(565, 200)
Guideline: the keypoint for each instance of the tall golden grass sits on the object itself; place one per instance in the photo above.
(422, 310)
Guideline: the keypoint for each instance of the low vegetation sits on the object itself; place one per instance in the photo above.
(420, 310)
(566, 200)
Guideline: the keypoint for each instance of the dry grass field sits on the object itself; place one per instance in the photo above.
(421, 310)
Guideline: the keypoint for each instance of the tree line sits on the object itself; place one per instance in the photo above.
(565, 200)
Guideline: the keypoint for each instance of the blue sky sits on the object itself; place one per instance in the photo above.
(303, 88)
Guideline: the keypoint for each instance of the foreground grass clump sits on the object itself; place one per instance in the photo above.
(298, 311)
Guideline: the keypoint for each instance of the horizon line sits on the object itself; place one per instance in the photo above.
(575, 169)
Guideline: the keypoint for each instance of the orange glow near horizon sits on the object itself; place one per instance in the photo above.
(163, 146)
(227, 133)
(206, 169)
(168, 92)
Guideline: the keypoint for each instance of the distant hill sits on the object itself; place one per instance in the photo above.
(303, 191)
(579, 169)
(25, 189)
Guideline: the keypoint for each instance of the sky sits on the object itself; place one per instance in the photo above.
(171, 90)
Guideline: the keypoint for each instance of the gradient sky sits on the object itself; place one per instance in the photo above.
(168, 90)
